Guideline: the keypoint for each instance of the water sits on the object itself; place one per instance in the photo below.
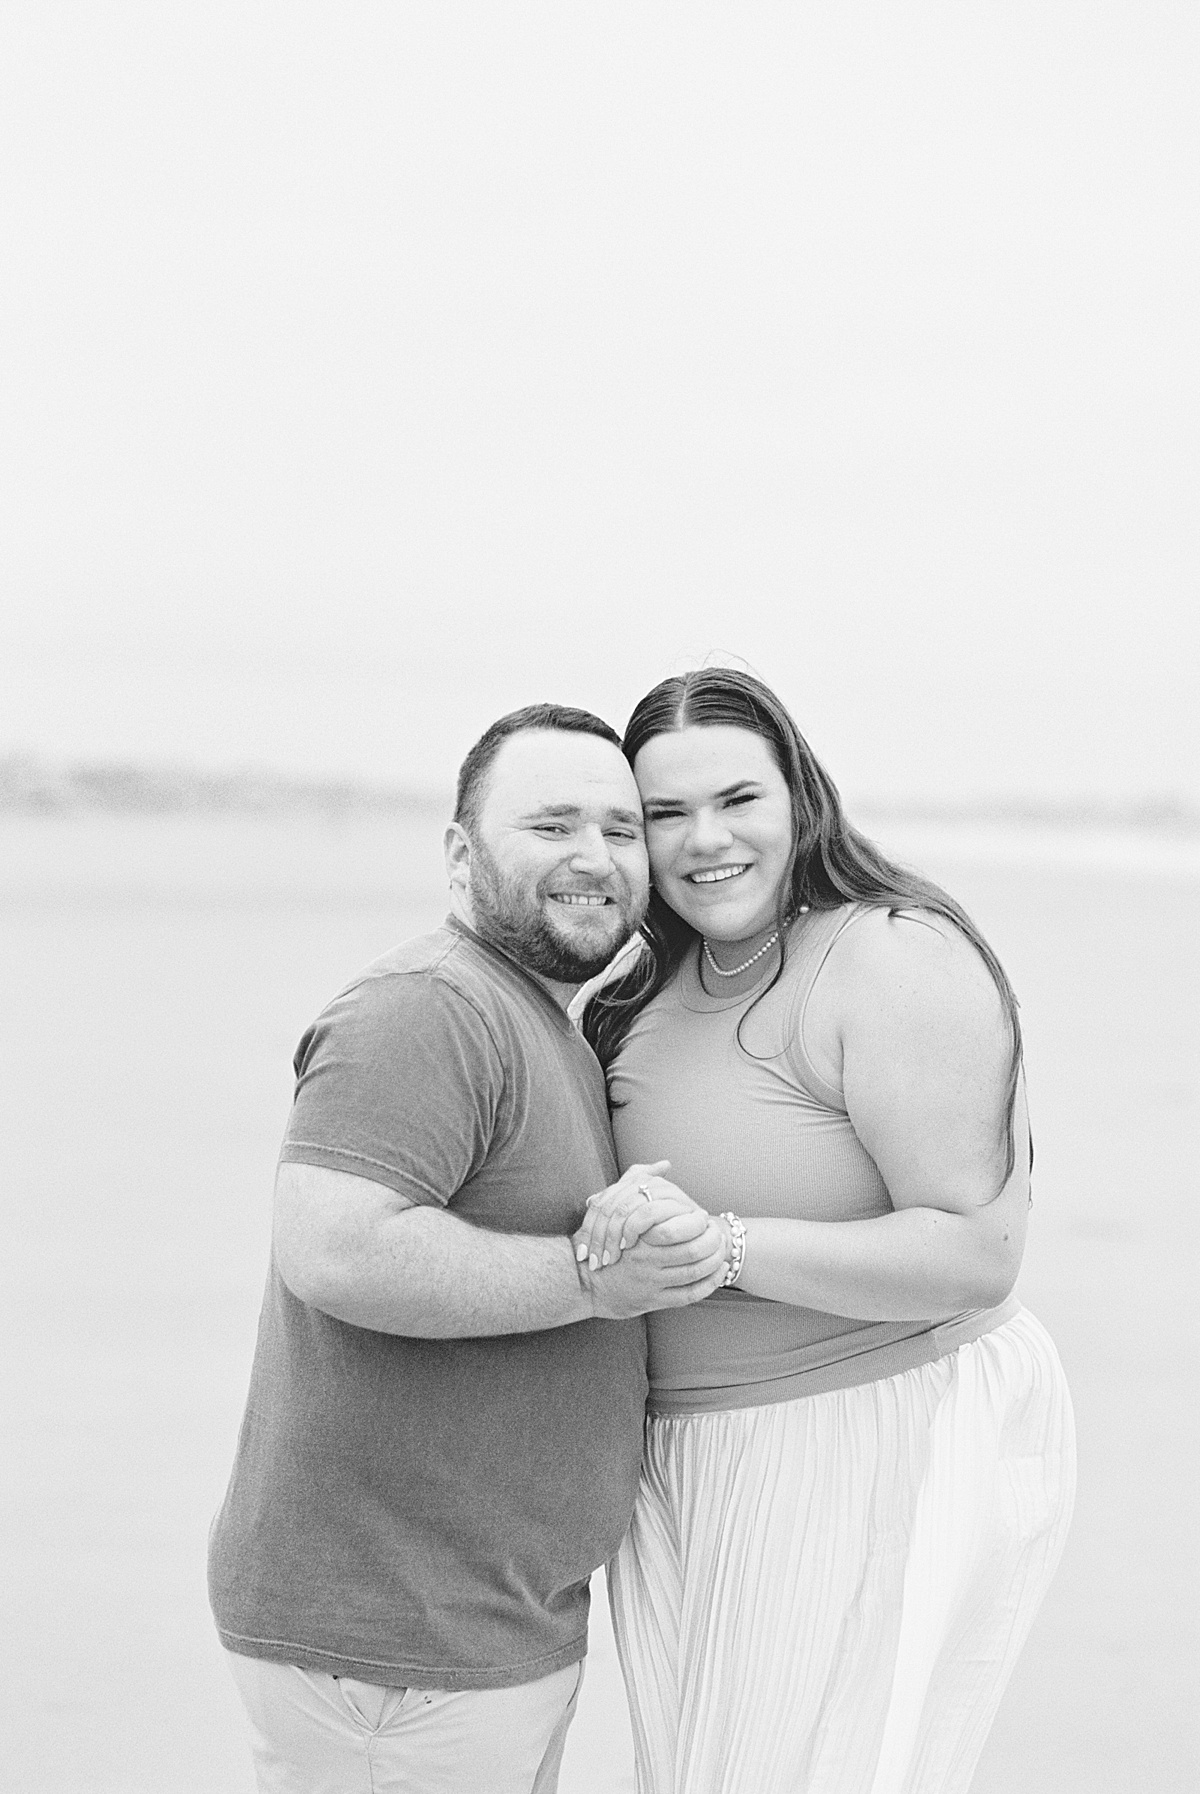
(156, 974)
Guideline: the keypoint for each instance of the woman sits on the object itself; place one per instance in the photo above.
(859, 1466)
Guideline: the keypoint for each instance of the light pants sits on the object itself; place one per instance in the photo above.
(313, 1733)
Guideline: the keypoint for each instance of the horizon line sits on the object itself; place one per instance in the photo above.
(33, 783)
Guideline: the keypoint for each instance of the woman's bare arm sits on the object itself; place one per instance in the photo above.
(906, 1016)
(909, 1017)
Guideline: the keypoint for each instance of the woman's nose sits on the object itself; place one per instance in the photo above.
(709, 832)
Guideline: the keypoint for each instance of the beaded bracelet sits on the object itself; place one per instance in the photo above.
(738, 1232)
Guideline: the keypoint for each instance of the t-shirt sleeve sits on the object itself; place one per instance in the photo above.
(399, 1081)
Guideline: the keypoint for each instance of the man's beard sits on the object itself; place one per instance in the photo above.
(512, 917)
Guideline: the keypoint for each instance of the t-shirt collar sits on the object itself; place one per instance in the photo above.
(506, 959)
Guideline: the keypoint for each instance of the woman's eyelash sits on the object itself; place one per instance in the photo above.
(743, 797)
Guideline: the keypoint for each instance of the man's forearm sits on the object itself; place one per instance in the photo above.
(368, 1255)
(429, 1275)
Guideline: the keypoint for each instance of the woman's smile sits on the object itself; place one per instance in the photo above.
(717, 875)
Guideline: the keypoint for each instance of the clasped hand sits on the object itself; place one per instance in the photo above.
(644, 1244)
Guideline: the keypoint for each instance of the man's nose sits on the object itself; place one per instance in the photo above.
(591, 853)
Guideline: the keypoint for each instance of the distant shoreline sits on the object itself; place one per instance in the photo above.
(33, 785)
(1149, 815)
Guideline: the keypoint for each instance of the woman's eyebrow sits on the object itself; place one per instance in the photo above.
(656, 802)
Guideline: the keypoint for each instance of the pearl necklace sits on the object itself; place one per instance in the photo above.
(747, 963)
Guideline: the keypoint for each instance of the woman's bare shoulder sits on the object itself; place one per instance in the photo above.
(912, 961)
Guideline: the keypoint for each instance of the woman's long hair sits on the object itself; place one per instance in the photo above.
(831, 863)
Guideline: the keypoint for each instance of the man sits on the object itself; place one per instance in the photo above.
(443, 1431)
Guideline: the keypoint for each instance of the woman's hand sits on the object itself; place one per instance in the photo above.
(640, 1201)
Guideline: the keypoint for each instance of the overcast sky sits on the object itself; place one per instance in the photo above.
(369, 370)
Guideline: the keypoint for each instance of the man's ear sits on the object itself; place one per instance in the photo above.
(457, 849)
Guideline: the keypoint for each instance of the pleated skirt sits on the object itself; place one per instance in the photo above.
(828, 1595)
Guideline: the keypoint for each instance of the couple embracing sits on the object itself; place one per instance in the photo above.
(710, 1283)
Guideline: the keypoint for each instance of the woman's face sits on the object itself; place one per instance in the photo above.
(718, 827)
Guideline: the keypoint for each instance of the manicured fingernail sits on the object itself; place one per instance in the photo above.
(580, 1253)
(593, 1263)
(624, 1245)
(606, 1260)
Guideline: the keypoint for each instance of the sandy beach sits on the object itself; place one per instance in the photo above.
(156, 976)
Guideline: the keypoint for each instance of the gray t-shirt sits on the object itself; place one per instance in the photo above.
(428, 1511)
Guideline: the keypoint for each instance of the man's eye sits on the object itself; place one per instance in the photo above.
(620, 834)
(549, 828)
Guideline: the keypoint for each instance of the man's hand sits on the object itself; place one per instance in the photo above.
(628, 1270)
(618, 1217)
(652, 1277)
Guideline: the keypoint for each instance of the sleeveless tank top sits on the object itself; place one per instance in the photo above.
(725, 1089)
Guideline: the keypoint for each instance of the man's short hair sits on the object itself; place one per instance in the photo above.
(472, 774)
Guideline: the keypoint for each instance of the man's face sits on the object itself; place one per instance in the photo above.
(557, 875)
